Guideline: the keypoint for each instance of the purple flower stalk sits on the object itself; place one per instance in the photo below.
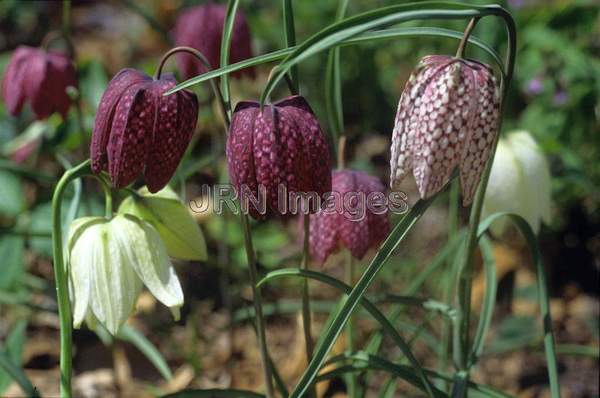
(282, 146)
(447, 118)
(39, 77)
(201, 27)
(335, 227)
(138, 130)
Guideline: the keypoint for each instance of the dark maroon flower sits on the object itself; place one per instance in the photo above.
(137, 129)
(40, 77)
(282, 146)
(354, 217)
(201, 27)
(447, 118)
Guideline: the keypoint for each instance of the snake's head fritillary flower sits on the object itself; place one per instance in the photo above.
(110, 261)
(447, 118)
(138, 130)
(281, 146)
(41, 78)
(201, 27)
(519, 182)
(355, 217)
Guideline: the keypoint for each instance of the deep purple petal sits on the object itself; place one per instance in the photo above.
(13, 90)
(105, 114)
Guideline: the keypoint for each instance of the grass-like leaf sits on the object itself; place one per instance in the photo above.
(489, 299)
(383, 254)
(366, 37)
(232, 6)
(130, 335)
(289, 30)
(214, 393)
(387, 326)
(17, 374)
(351, 27)
(542, 291)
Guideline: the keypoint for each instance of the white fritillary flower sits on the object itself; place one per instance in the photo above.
(519, 182)
(109, 262)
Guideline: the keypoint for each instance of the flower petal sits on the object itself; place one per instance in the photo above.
(131, 134)
(173, 130)
(106, 110)
(146, 253)
(13, 90)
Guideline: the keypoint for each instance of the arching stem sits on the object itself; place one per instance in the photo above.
(306, 315)
(460, 52)
(206, 64)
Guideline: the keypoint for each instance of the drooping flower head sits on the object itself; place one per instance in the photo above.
(138, 130)
(39, 77)
(201, 27)
(519, 182)
(355, 217)
(447, 118)
(110, 261)
(281, 147)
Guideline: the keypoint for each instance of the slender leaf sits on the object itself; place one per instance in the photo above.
(232, 7)
(383, 254)
(129, 334)
(366, 37)
(289, 31)
(351, 27)
(17, 374)
(407, 373)
(489, 299)
(333, 85)
(14, 350)
(214, 393)
(543, 298)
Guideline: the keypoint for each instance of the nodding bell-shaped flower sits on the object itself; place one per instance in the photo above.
(281, 149)
(355, 216)
(110, 261)
(138, 130)
(519, 182)
(447, 118)
(201, 27)
(41, 78)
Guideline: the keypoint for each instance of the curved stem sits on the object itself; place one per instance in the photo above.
(206, 64)
(349, 271)
(306, 316)
(463, 42)
(257, 301)
(60, 276)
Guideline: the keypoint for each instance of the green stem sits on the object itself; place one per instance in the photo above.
(306, 313)
(60, 276)
(290, 40)
(349, 271)
(462, 341)
(465, 39)
(257, 300)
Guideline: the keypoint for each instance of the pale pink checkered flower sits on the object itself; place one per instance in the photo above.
(340, 225)
(138, 130)
(447, 118)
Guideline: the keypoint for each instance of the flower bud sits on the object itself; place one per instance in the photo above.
(351, 218)
(201, 27)
(519, 182)
(137, 129)
(177, 228)
(281, 147)
(110, 261)
(39, 77)
(447, 117)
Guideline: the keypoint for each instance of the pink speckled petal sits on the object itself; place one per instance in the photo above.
(131, 134)
(13, 90)
(105, 114)
(173, 130)
(323, 236)
(478, 145)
